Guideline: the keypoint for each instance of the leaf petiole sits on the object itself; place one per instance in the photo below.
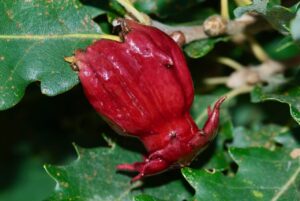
(243, 2)
(110, 37)
(230, 63)
(141, 17)
(257, 50)
(225, 9)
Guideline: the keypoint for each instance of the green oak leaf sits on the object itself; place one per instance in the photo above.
(93, 176)
(164, 8)
(295, 27)
(283, 47)
(35, 36)
(146, 198)
(290, 96)
(200, 48)
(259, 6)
(264, 136)
(101, 162)
(288, 139)
(110, 6)
(278, 16)
(262, 175)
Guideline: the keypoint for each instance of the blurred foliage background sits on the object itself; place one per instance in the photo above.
(40, 129)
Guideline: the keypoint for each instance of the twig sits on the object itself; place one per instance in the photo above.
(191, 33)
(253, 75)
(257, 50)
(196, 32)
(230, 63)
(216, 80)
(235, 92)
(249, 76)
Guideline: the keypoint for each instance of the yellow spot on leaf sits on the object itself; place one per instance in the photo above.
(258, 194)
(10, 14)
(64, 184)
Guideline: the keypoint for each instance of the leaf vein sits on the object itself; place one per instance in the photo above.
(12, 72)
(286, 185)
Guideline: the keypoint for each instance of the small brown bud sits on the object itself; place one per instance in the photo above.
(178, 37)
(215, 26)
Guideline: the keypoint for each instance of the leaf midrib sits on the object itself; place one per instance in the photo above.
(286, 185)
(49, 36)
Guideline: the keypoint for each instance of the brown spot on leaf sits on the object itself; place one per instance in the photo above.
(295, 153)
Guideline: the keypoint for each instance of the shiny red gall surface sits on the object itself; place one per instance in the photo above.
(142, 87)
